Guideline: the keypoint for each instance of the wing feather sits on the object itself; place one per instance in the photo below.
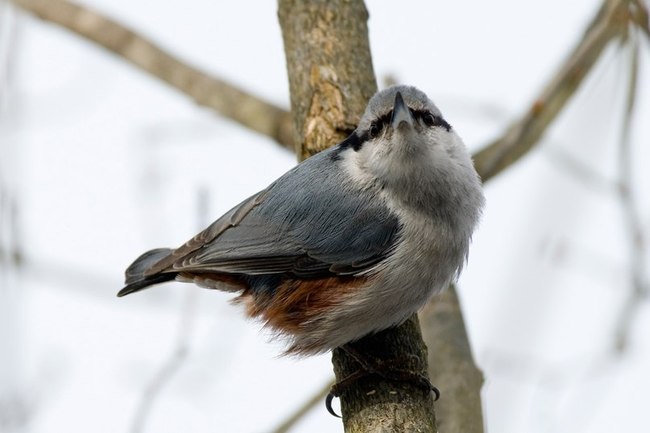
(309, 223)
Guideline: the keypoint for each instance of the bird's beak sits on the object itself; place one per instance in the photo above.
(401, 112)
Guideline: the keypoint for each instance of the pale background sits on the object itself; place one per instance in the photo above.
(104, 162)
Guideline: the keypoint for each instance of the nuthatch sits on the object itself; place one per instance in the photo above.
(349, 242)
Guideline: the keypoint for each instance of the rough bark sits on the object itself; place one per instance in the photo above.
(330, 69)
(331, 80)
(377, 405)
(452, 366)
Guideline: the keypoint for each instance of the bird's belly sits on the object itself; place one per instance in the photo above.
(424, 265)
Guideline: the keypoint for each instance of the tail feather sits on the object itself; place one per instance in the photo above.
(135, 279)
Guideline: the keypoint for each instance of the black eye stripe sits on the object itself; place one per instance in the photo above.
(377, 126)
(375, 129)
(431, 119)
(428, 118)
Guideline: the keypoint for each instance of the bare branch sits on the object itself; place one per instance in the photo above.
(303, 410)
(631, 213)
(580, 171)
(611, 21)
(450, 354)
(170, 367)
(270, 120)
(181, 349)
(206, 90)
(453, 369)
(639, 15)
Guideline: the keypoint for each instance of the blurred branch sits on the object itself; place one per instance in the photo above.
(179, 354)
(443, 327)
(453, 370)
(206, 90)
(631, 213)
(303, 410)
(579, 170)
(170, 367)
(11, 252)
(8, 51)
(268, 119)
(612, 21)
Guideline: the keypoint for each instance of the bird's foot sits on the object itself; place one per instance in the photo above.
(390, 370)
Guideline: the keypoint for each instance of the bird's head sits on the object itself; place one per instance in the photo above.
(403, 134)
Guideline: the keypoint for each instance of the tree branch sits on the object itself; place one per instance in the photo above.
(303, 410)
(631, 213)
(331, 80)
(206, 90)
(268, 119)
(330, 70)
(450, 357)
(169, 368)
(375, 404)
(452, 366)
(611, 21)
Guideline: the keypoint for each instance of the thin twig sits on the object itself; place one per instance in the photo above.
(206, 90)
(631, 213)
(181, 349)
(610, 22)
(8, 33)
(4, 249)
(581, 171)
(304, 409)
(639, 16)
(170, 367)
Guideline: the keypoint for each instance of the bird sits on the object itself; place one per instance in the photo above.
(349, 242)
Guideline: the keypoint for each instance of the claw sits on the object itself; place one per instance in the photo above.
(328, 405)
(427, 385)
(380, 368)
(436, 391)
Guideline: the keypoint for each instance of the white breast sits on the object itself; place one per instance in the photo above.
(430, 251)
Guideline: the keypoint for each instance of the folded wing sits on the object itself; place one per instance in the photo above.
(310, 223)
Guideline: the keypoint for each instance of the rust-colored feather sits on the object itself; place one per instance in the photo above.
(295, 303)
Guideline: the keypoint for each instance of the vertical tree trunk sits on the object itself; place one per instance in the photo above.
(331, 80)
(330, 69)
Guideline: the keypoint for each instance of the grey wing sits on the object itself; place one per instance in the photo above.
(311, 222)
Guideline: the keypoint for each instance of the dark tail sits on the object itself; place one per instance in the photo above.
(135, 279)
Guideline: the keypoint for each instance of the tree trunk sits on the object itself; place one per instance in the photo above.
(330, 69)
(331, 80)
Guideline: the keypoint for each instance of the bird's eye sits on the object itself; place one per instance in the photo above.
(374, 130)
(428, 119)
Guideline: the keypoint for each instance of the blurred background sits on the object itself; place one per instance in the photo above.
(100, 161)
